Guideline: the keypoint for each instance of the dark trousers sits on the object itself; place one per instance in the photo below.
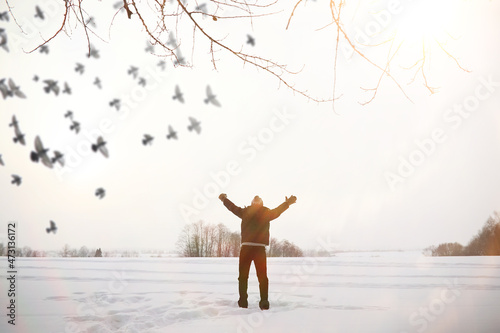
(258, 255)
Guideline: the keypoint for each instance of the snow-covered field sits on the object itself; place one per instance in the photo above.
(350, 292)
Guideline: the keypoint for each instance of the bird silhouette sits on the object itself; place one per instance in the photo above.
(171, 133)
(100, 193)
(16, 180)
(1, 160)
(142, 81)
(161, 64)
(250, 40)
(36, 78)
(75, 126)
(91, 21)
(39, 13)
(194, 125)
(69, 114)
(179, 59)
(93, 52)
(58, 157)
(147, 140)
(52, 228)
(116, 103)
(4, 89)
(44, 49)
(149, 47)
(178, 94)
(133, 71)
(67, 89)
(211, 98)
(3, 40)
(19, 137)
(97, 82)
(15, 90)
(4, 16)
(51, 85)
(171, 40)
(101, 147)
(79, 68)
(40, 153)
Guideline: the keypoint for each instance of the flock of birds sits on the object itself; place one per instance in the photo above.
(9, 89)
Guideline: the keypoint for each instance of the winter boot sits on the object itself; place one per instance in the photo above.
(243, 286)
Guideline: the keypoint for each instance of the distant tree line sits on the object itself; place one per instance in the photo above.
(202, 239)
(485, 243)
(67, 252)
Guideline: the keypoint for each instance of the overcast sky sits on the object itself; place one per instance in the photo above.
(392, 174)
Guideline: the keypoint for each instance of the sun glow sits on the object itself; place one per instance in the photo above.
(425, 20)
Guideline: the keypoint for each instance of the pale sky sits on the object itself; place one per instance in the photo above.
(392, 174)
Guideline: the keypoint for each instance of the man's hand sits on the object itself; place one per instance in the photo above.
(222, 196)
(291, 200)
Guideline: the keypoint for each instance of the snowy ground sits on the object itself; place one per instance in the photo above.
(351, 292)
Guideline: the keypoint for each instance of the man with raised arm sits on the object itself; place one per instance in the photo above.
(254, 238)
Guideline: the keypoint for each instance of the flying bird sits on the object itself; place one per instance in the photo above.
(67, 89)
(3, 40)
(116, 103)
(162, 64)
(93, 53)
(171, 39)
(142, 81)
(39, 13)
(19, 137)
(36, 78)
(250, 40)
(97, 82)
(51, 86)
(79, 68)
(100, 146)
(75, 126)
(202, 8)
(4, 89)
(16, 180)
(40, 153)
(149, 47)
(1, 160)
(100, 193)
(194, 125)
(133, 71)
(58, 157)
(15, 90)
(179, 59)
(68, 114)
(4, 16)
(44, 49)
(90, 21)
(178, 94)
(147, 140)
(211, 98)
(52, 228)
(171, 133)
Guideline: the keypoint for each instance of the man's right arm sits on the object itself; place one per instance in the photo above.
(230, 205)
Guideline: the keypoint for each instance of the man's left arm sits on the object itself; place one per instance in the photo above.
(276, 212)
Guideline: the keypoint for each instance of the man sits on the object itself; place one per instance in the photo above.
(254, 238)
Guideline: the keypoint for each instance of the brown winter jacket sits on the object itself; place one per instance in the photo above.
(255, 220)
